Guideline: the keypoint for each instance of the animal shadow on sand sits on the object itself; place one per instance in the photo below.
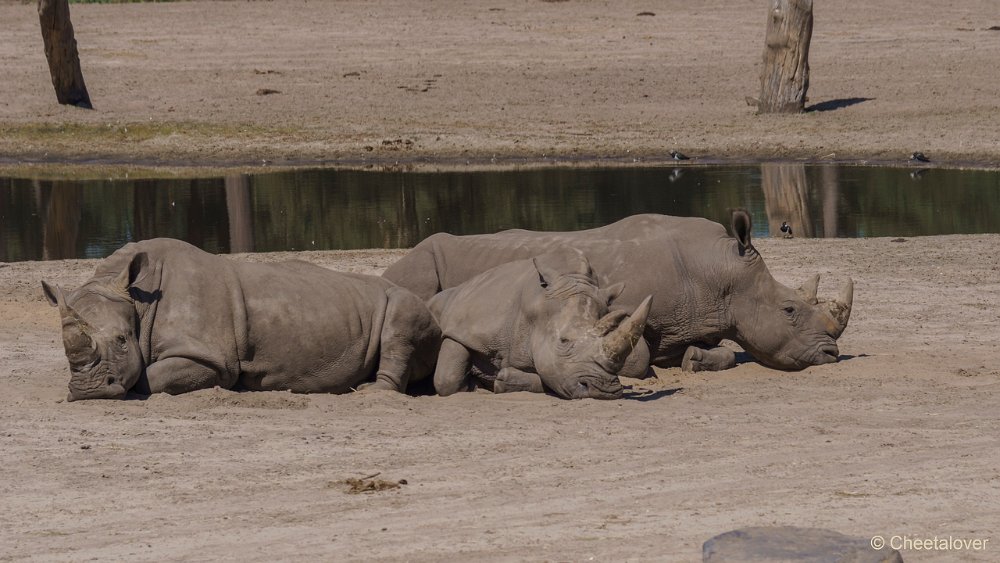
(839, 103)
(746, 358)
(845, 357)
(643, 395)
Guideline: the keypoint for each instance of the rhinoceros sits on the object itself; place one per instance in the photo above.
(706, 285)
(163, 316)
(536, 324)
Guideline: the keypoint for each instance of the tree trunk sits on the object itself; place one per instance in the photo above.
(60, 50)
(785, 77)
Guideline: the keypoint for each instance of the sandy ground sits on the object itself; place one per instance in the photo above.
(899, 438)
(393, 80)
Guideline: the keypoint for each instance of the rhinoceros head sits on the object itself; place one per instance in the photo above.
(783, 328)
(99, 335)
(578, 346)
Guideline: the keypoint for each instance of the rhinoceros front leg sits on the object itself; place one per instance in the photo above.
(510, 380)
(408, 343)
(713, 359)
(180, 375)
(452, 372)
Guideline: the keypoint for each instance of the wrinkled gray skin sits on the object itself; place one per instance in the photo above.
(536, 324)
(163, 316)
(706, 285)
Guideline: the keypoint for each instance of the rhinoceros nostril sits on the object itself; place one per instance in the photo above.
(111, 380)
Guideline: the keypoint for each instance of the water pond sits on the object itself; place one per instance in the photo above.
(338, 209)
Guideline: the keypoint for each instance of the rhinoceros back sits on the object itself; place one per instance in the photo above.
(310, 329)
(442, 260)
(290, 325)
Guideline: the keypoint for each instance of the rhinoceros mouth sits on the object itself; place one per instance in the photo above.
(590, 390)
(829, 353)
(112, 391)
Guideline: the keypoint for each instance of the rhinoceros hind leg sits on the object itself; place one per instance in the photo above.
(409, 343)
(452, 372)
(180, 375)
(510, 380)
(714, 359)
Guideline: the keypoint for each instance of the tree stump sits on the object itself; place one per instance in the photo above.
(60, 51)
(785, 77)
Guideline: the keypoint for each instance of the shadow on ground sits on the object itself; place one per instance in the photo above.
(839, 103)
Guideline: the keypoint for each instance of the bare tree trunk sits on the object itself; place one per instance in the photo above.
(785, 77)
(786, 198)
(240, 213)
(60, 50)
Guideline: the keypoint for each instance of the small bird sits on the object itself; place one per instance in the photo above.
(787, 229)
(919, 157)
(678, 156)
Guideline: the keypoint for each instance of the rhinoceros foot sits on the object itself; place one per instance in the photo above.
(378, 385)
(716, 359)
(510, 380)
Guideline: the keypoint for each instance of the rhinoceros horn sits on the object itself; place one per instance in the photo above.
(840, 308)
(621, 341)
(80, 347)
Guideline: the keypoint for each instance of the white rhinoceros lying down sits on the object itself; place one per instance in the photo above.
(536, 324)
(706, 286)
(163, 316)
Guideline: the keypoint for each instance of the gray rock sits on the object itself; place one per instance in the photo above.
(787, 544)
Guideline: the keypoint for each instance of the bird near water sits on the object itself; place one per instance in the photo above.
(919, 157)
(678, 156)
(787, 229)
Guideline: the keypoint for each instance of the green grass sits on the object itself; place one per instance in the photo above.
(132, 132)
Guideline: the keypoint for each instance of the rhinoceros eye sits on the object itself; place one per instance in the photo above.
(122, 341)
(789, 310)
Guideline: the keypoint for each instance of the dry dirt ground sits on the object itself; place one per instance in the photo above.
(361, 81)
(899, 438)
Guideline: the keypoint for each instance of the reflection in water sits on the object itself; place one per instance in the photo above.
(240, 213)
(786, 198)
(323, 209)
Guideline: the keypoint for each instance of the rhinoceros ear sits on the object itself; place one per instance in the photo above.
(53, 294)
(808, 290)
(545, 276)
(130, 273)
(612, 292)
(742, 225)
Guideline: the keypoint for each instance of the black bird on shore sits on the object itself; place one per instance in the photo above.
(678, 156)
(787, 229)
(919, 157)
